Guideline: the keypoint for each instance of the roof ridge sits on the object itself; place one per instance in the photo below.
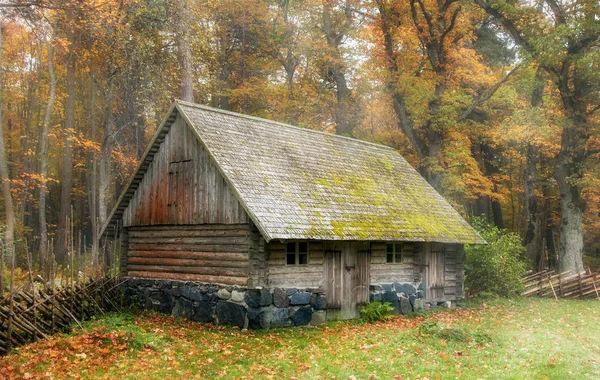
(278, 123)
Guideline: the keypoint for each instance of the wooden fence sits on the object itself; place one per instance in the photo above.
(50, 298)
(27, 315)
(550, 284)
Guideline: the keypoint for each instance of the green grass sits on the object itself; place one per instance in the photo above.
(502, 339)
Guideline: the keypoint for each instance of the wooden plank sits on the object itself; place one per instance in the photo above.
(194, 191)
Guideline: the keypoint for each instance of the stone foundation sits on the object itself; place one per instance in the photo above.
(405, 297)
(229, 305)
(260, 307)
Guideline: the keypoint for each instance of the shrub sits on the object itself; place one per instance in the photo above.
(376, 311)
(495, 268)
(429, 328)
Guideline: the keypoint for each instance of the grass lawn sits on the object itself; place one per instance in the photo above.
(519, 339)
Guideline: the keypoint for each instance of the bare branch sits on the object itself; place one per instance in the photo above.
(487, 94)
(559, 12)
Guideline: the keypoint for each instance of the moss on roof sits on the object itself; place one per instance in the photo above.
(302, 184)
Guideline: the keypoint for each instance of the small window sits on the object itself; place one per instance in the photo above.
(297, 253)
(394, 253)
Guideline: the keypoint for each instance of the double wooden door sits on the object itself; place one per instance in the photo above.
(433, 276)
(346, 278)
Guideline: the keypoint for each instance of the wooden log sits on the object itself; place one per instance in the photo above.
(213, 240)
(152, 233)
(241, 248)
(187, 262)
(229, 272)
(194, 255)
(190, 277)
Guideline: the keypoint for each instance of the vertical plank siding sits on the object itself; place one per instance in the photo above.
(205, 253)
(454, 271)
(182, 186)
(346, 277)
(299, 276)
(257, 258)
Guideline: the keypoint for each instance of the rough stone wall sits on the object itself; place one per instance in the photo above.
(405, 297)
(229, 305)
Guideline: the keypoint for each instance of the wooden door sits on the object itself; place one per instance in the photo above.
(346, 279)
(434, 272)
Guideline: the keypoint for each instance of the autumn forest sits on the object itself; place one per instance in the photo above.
(495, 102)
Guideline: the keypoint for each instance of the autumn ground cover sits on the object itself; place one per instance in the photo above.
(521, 339)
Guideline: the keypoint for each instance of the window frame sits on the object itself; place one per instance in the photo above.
(397, 251)
(297, 253)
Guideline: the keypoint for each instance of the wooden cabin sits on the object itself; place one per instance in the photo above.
(247, 203)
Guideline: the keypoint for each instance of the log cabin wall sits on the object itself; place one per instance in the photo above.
(183, 186)
(281, 275)
(257, 258)
(454, 271)
(409, 270)
(215, 253)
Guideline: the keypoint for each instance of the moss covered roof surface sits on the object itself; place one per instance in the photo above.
(298, 183)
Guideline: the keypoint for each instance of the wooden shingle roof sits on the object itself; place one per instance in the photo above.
(298, 183)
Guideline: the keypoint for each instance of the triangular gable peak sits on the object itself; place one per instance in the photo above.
(176, 183)
(297, 183)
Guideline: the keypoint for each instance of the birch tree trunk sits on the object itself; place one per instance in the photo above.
(9, 233)
(43, 226)
(66, 177)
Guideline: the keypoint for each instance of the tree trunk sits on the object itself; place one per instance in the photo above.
(43, 226)
(570, 240)
(184, 54)
(66, 178)
(9, 212)
(105, 155)
(534, 237)
(94, 176)
(533, 234)
(343, 125)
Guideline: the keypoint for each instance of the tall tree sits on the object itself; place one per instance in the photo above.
(435, 26)
(9, 232)
(336, 27)
(184, 54)
(562, 37)
(44, 141)
(66, 176)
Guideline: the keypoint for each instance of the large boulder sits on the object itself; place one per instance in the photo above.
(302, 316)
(166, 301)
(275, 318)
(280, 298)
(405, 288)
(266, 298)
(405, 306)
(300, 298)
(320, 302)
(183, 308)
(191, 293)
(253, 298)
(318, 317)
(229, 313)
(203, 311)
